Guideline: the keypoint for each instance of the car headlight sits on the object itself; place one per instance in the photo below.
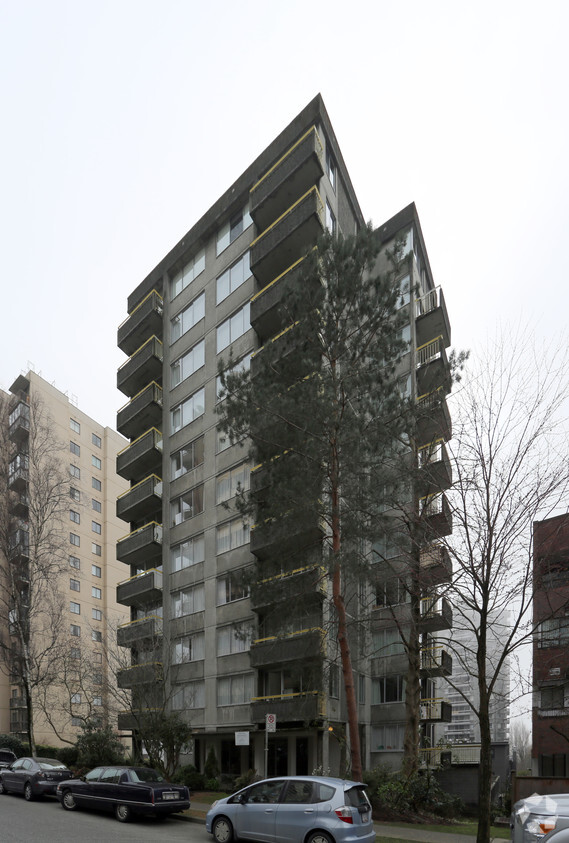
(213, 804)
(540, 825)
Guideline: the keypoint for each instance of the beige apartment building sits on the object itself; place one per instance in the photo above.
(70, 611)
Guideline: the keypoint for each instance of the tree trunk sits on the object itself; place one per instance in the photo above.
(412, 692)
(484, 772)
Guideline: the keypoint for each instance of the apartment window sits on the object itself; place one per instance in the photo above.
(404, 290)
(552, 698)
(189, 363)
(75, 630)
(361, 689)
(187, 458)
(96, 549)
(191, 695)
(387, 642)
(74, 585)
(98, 658)
(75, 562)
(235, 690)
(74, 539)
(96, 614)
(95, 570)
(96, 440)
(75, 471)
(243, 365)
(95, 592)
(553, 633)
(97, 680)
(188, 649)
(223, 441)
(96, 484)
(75, 607)
(334, 681)
(187, 553)
(331, 170)
(75, 426)
(95, 461)
(76, 699)
(76, 721)
(233, 277)
(330, 219)
(387, 737)
(75, 652)
(233, 639)
(405, 337)
(186, 275)
(231, 587)
(229, 483)
(187, 318)
(74, 516)
(96, 527)
(74, 493)
(187, 505)
(189, 601)
(392, 592)
(233, 328)
(387, 689)
(96, 635)
(231, 535)
(187, 411)
(97, 701)
(232, 229)
(74, 448)
(96, 505)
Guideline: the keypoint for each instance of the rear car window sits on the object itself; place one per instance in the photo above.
(50, 764)
(323, 792)
(357, 798)
(145, 774)
(299, 792)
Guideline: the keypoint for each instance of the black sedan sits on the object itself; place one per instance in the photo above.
(33, 776)
(124, 790)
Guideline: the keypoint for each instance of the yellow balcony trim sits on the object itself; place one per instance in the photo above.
(430, 342)
(140, 620)
(277, 337)
(286, 696)
(133, 311)
(292, 573)
(138, 576)
(428, 394)
(288, 211)
(140, 347)
(142, 435)
(288, 635)
(134, 532)
(142, 664)
(140, 482)
(144, 388)
(287, 153)
(278, 278)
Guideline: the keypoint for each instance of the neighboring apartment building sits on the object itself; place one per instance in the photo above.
(550, 721)
(81, 541)
(225, 666)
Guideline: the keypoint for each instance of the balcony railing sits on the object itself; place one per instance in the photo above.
(144, 321)
(296, 646)
(435, 565)
(435, 710)
(266, 304)
(144, 366)
(19, 422)
(436, 614)
(436, 510)
(142, 500)
(142, 547)
(436, 661)
(310, 579)
(302, 706)
(435, 464)
(432, 365)
(138, 631)
(455, 754)
(141, 589)
(431, 317)
(140, 674)
(141, 412)
(433, 417)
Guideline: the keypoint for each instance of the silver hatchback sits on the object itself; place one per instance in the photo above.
(294, 809)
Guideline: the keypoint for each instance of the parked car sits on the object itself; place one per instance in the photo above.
(542, 818)
(124, 790)
(296, 809)
(7, 757)
(33, 776)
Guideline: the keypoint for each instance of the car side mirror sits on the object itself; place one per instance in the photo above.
(242, 799)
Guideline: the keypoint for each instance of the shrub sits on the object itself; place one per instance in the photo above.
(247, 778)
(211, 784)
(47, 751)
(189, 776)
(420, 793)
(68, 755)
(10, 742)
(99, 746)
(211, 767)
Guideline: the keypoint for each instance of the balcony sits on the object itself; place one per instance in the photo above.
(436, 473)
(395, 664)
(435, 661)
(141, 501)
(433, 417)
(144, 321)
(141, 456)
(20, 505)
(19, 422)
(288, 238)
(130, 720)
(289, 708)
(289, 586)
(437, 514)
(266, 316)
(140, 674)
(431, 317)
(292, 532)
(432, 368)
(141, 631)
(143, 366)
(141, 590)
(435, 711)
(458, 754)
(143, 547)
(436, 614)
(19, 544)
(141, 412)
(435, 565)
(17, 702)
(18, 473)
(296, 646)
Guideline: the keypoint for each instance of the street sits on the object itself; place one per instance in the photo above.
(45, 821)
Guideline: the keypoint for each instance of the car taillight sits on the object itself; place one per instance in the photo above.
(344, 814)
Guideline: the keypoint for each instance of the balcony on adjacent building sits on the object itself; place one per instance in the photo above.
(19, 422)
(293, 532)
(289, 708)
(436, 473)
(435, 661)
(143, 547)
(394, 664)
(20, 505)
(19, 543)
(453, 754)
(432, 367)
(431, 317)
(299, 169)
(435, 565)
(141, 501)
(18, 473)
(288, 238)
(295, 646)
(141, 590)
(131, 720)
(436, 511)
(436, 614)
(433, 417)
(141, 412)
(141, 631)
(141, 456)
(290, 586)
(435, 711)
(140, 674)
(266, 316)
(143, 366)
(144, 321)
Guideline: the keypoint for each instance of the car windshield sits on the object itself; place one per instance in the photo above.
(143, 774)
(50, 764)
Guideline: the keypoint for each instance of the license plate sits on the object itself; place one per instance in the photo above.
(170, 796)
(365, 818)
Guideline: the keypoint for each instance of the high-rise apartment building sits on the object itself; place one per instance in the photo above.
(225, 667)
(60, 570)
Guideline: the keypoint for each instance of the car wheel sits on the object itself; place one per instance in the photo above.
(122, 813)
(28, 793)
(319, 837)
(222, 830)
(68, 801)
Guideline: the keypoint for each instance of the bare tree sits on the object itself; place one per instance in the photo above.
(520, 741)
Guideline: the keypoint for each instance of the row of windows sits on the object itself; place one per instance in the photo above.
(77, 698)
(76, 450)
(76, 518)
(75, 630)
(75, 471)
(75, 540)
(76, 428)
(191, 502)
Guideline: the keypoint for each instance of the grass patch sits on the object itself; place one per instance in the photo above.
(207, 797)
(463, 828)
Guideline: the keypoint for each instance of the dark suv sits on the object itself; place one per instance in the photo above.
(7, 757)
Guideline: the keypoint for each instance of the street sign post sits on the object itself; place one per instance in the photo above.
(270, 726)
